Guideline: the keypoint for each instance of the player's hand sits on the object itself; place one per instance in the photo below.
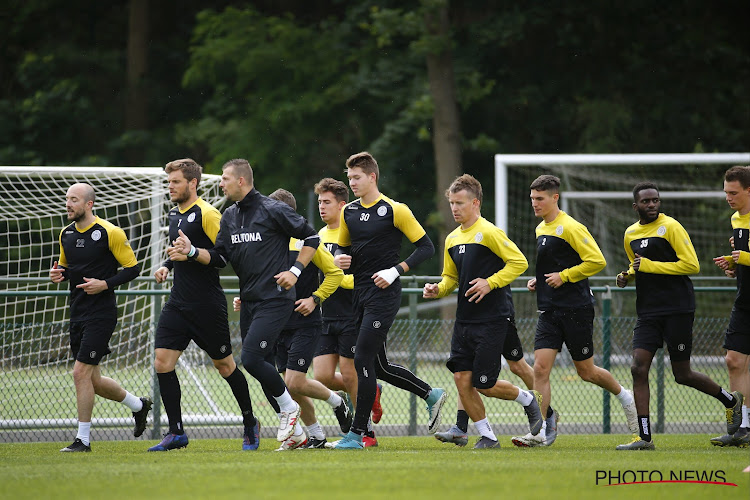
(305, 306)
(736, 256)
(385, 277)
(622, 279)
(182, 243)
(286, 279)
(479, 289)
(92, 286)
(554, 280)
(730, 273)
(531, 285)
(637, 262)
(236, 303)
(176, 255)
(721, 262)
(56, 273)
(161, 274)
(343, 261)
(731, 241)
(430, 291)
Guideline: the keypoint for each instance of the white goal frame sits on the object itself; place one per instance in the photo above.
(502, 162)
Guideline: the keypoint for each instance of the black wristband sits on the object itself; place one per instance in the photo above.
(299, 265)
(400, 269)
(316, 299)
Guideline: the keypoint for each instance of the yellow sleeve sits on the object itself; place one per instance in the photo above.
(450, 274)
(744, 258)
(211, 222)
(345, 239)
(630, 273)
(405, 221)
(63, 262)
(515, 261)
(585, 245)
(347, 282)
(333, 275)
(687, 260)
(120, 248)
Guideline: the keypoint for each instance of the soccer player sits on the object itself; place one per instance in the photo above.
(196, 309)
(482, 262)
(369, 242)
(567, 256)
(339, 337)
(254, 237)
(737, 339)
(91, 251)
(299, 340)
(661, 258)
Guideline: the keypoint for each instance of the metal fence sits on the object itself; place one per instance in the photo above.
(37, 395)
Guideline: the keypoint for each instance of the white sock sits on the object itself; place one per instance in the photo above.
(745, 421)
(298, 429)
(485, 429)
(132, 402)
(316, 431)
(286, 403)
(624, 396)
(84, 429)
(369, 424)
(334, 400)
(524, 397)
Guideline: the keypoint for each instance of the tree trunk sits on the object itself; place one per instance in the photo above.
(136, 111)
(446, 128)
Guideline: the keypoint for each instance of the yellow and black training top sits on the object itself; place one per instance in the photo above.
(374, 233)
(193, 281)
(339, 304)
(565, 246)
(667, 258)
(95, 252)
(308, 281)
(740, 230)
(481, 251)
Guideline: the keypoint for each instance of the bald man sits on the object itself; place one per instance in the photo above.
(91, 252)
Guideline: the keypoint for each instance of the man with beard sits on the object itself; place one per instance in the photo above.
(187, 315)
(661, 258)
(91, 251)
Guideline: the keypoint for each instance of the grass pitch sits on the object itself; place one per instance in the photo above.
(413, 467)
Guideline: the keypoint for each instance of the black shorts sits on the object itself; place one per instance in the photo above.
(676, 329)
(261, 324)
(738, 333)
(339, 337)
(512, 349)
(375, 309)
(477, 348)
(205, 324)
(89, 340)
(572, 327)
(295, 348)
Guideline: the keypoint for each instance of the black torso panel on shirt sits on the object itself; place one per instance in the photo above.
(339, 305)
(554, 254)
(741, 242)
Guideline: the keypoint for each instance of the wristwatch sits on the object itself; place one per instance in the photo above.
(316, 299)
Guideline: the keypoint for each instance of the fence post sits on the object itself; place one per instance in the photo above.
(413, 331)
(660, 390)
(606, 349)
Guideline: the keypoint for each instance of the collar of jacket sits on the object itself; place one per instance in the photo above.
(250, 199)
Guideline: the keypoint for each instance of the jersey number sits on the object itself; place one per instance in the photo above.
(740, 235)
(179, 221)
(364, 217)
(329, 246)
(544, 241)
(461, 249)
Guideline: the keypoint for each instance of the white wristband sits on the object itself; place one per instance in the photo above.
(389, 275)
(192, 251)
(295, 271)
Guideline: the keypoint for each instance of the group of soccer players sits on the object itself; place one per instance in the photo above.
(302, 302)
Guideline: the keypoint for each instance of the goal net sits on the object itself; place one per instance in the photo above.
(37, 390)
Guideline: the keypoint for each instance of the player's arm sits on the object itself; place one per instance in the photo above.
(218, 256)
(343, 255)
(183, 249)
(120, 248)
(295, 226)
(628, 275)
(585, 245)
(515, 261)
(687, 260)
(332, 278)
(404, 220)
(449, 280)
(58, 273)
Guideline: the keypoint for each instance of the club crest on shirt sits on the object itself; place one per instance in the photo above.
(191, 217)
(96, 235)
(661, 231)
(382, 211)
(298, 245)
(559, 230)
(478, 237)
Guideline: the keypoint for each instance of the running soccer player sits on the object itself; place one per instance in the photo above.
(254, 237)
(567, 256)
(339, 337)
(661, 258)
(369, 242)
(299, 340)
(737, 339)
(91, 251)
(196, 309)
(482, 262)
